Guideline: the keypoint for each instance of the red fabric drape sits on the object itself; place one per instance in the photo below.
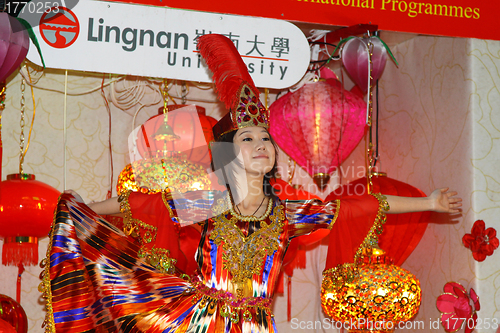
(151, 209)
(346, 237)
(402, 232)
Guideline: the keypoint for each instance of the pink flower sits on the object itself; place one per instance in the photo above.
(458, 308)
(481, 241)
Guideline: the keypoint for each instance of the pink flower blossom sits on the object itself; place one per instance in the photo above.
(458, 308)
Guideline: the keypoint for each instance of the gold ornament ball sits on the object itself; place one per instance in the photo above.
(379, 298)
(155, 174)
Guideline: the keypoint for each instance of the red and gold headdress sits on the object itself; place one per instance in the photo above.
(234, 85)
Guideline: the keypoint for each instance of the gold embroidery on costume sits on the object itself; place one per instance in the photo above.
(230, 307)
(243, 256)
(159, 259)
(347, 272)
(165, 196)
(134, 227)
(220, 206)
(336, 215)
(44, 287)
(372, 238)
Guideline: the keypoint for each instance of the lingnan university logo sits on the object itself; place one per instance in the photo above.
(59, 27)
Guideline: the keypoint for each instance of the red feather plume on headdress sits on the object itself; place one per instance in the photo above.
(229, 70)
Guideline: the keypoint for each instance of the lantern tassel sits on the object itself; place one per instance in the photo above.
(289, 299)
(19, 274)
(15, 253)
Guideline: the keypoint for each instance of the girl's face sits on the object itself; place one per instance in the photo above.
(256, 149)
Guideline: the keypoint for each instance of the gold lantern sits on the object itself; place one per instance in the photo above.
(162, 169)
(155, 174)
(379, 297)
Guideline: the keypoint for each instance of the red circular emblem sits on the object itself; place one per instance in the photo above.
(59, 27)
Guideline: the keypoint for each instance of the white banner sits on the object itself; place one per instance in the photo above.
(159, 42)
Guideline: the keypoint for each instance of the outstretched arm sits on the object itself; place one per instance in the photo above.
(106, 207)
(440, 200)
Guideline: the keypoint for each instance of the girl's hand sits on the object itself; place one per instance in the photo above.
(443, 201)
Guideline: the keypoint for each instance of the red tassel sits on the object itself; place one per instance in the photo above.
(18, 291)
(14, 253)
(229, 70)
(289, 299)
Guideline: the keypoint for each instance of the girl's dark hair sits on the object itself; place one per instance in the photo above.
(222, 157)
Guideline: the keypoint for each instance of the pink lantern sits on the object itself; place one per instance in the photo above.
(318, 126)
(14, 44)
(355, 59)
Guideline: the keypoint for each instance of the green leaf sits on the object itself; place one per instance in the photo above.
(32, 37)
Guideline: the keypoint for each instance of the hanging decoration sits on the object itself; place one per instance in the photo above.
(356, 60)
(5, 327)
(458, 308)
(402, 232)
(193, 143)
(481, 241)
(372, 289)
(382, 294)
(12, 314)
(14, 44)
(26, 210)
(318, 126)
(156, 174)
(173, 159)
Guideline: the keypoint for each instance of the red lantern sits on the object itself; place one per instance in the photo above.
(318, 126)
(14, 44)
(26, 213)
(192, 141)
(13, 314)
(402, 232)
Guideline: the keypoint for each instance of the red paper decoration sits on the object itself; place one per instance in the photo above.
(26, 212)
(481, 241)
(13, 313)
